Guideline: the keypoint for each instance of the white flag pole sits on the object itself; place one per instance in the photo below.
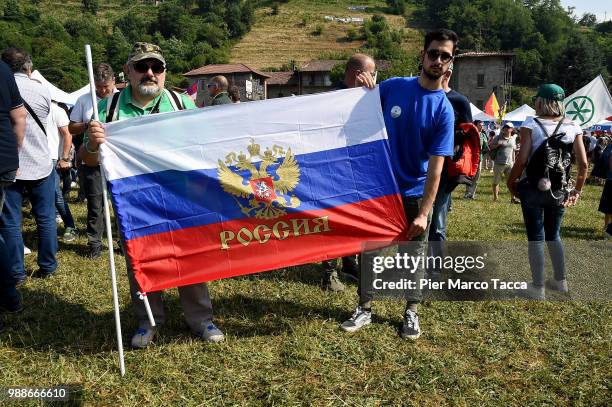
(109, 232)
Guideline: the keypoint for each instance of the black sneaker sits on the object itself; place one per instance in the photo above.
(410, 327)
(42, 274)
(11, 305)
(95, 252)
(361, 317)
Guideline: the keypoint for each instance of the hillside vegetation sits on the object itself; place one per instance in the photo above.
(297, 30)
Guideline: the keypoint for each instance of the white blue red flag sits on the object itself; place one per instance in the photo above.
(238, 189)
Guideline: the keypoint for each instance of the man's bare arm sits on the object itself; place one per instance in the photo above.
(77, 127)
(67, 137)
(18, 119)
(419, 224)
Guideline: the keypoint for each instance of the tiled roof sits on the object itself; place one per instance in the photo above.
(221, 69)
(281, 78)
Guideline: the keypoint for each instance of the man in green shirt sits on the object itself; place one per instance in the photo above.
(146, 71)
(217, 90)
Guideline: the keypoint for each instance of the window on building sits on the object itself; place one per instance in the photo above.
(480, 80)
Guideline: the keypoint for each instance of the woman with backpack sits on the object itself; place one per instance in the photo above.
(543, 164)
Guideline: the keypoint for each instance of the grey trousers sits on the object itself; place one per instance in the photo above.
(194, 298)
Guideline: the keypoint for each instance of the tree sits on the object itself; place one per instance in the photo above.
(91, 6)
(588, 20)
(397, 7)
(578, 64)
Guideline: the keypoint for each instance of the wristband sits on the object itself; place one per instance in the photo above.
(88, 150)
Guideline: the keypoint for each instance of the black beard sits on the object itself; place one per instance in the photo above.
(431, 76)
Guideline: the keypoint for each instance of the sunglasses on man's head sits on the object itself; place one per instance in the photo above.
(143, 66)
(435, 54)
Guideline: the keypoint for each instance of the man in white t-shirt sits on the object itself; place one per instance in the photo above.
(82, 113)
(60, 144)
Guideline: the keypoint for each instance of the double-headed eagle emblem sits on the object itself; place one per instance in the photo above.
(266, 185)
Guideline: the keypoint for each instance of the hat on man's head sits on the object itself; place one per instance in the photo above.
(551, 91)
(509, 124)
(145, 50)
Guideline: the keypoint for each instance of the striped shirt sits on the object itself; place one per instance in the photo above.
(34, 156)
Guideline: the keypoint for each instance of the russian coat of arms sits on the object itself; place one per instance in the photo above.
(261, 183)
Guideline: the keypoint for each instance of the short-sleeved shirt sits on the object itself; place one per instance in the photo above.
(34, 157)
(10, 99)
(568, 127)
(83, 109)
(505, 150)
(461, 107)
(58, 118)
(419, 124)
(127, 109)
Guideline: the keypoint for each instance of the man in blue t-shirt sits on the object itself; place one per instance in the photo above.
(419, 121)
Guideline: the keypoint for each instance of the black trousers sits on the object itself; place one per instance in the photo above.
(417, 247)
(95, 205)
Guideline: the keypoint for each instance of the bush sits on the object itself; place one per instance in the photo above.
(318, 30)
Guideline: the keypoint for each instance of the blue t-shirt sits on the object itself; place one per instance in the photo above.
(419, 124)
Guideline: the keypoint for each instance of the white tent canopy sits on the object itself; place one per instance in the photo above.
(519, 115)
(478, 114)
(56, 93)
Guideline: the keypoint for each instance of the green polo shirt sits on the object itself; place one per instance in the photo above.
(128, 109)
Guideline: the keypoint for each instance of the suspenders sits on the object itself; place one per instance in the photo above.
(112, 113)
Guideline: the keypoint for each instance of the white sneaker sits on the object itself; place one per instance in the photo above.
(359, 319)
(143, 337)
(26, 250)
(557, 285)
(58, 219)
(211, 333)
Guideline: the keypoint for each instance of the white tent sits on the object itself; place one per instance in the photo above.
(478, 114)
(519, 115)
(56, 93)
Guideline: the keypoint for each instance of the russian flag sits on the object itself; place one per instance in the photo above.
(237, 189)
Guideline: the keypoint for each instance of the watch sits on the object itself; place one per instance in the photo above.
(65, 159)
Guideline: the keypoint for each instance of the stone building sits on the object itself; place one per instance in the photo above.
(281, 84)
(250, 82)
(313, 77)
(478, 74)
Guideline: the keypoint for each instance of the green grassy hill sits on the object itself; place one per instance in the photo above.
(274, 40)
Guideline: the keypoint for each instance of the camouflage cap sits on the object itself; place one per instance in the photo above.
(145, 50)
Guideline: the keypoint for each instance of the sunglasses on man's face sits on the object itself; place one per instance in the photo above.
(434, 54)
(143, 66)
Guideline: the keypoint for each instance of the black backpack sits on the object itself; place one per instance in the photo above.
(552, 160)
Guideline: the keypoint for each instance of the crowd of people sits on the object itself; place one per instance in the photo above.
(434, 146)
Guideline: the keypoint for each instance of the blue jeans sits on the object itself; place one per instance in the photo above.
(8, 291)
(42, 196)
(542, 216)
(437, 229)
(61, 205)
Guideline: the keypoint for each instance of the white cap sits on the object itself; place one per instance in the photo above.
(509, 124)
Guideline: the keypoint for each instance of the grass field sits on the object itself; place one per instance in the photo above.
(284, 347)
(274, 40)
